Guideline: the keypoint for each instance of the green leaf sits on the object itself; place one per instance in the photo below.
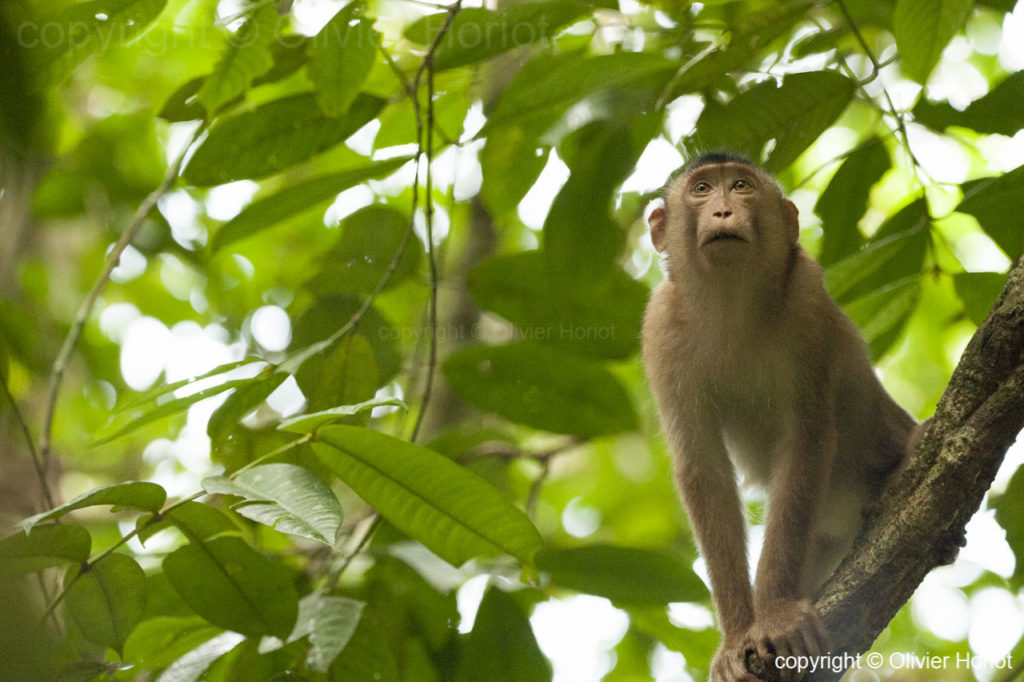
(297, 199)
(163, 389)
(158, 642)
(476, 34)
(196, 520)
(241, 402)
(501, 646)
(1010, 514)
(896, 251)
(87, 28)
(598, 318)
(571, 79)
(978, 291)
(543, 388)
(43, 547)
(274, 136)
(998, 204)
(923, 28)
(308, 423)
(882, 313)
(329, 622)
(623, 574)
(344, 374)
(369, 655)
(171, 407)
(792, 115)
(342, 57)
(998, 112)
(191, 666)
(108, 600)
(129, 495)
(581, 241)
(510, 163)
(246, 56)
(370, 239)
(231, 585)
(299, 503)
(453, 512)
(845, 201)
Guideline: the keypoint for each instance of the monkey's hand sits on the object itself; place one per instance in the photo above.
(730, 664)
(784, 631)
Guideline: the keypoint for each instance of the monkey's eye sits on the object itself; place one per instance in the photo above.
(741, 184)
(702, 188)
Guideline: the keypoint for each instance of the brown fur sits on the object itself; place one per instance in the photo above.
(754, 366)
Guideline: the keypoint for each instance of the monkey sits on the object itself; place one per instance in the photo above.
(755, 368)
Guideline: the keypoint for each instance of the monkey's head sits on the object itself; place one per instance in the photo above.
(723, 210)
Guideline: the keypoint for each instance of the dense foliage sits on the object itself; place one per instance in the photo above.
(298, 300)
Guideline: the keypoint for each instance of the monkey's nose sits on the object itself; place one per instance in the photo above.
(724, 213)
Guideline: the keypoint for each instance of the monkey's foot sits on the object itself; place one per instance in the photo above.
(784, 635)
(730, 664)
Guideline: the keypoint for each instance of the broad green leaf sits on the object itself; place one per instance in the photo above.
(297, 199)
(191, 666)
(87, 28)
(923, 28)
(845, 201)
(108, 600)
(285, 497)
(453, 512)
(895, 252)
(345, 374)
(580, 240)
(792, 115)
(246, 56)
(308, 423)
(882, 313)
(370, 239)
(43, 547)
(289, 54)
(543, 388)
(573, 79)
(501, 647)
(600, 318)
(163, 389)
(274, 136)
(998, 204)
(231, 585)
(1010, 514)
(329, 622)
(158, 642)
(341, 58)
(997, 112)
(196, 520)
(510, 162)
(978, 291)
(129, 495)
(476, 34)
(171, 407)
(623, 574)
(369, 655)
(331, 313)
(241, 402)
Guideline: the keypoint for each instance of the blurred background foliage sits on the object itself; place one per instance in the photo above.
(402, 248)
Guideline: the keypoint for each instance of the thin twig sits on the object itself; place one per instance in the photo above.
(63, 358)
(37, 461)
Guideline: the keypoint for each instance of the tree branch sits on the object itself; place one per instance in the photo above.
(919, 524)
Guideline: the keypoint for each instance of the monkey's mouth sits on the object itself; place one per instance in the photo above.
(723, 236)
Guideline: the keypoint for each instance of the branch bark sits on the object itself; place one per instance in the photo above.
(919, 524)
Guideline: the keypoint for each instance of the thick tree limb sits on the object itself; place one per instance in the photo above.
(919, 524)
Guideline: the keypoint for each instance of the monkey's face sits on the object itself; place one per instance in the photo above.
(724, 214)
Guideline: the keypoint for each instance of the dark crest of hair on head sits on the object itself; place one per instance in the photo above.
(715, 158)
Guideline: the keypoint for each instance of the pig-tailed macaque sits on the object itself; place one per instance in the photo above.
(754, 366)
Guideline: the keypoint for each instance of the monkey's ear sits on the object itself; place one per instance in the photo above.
(658, 228)
(791, 217)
